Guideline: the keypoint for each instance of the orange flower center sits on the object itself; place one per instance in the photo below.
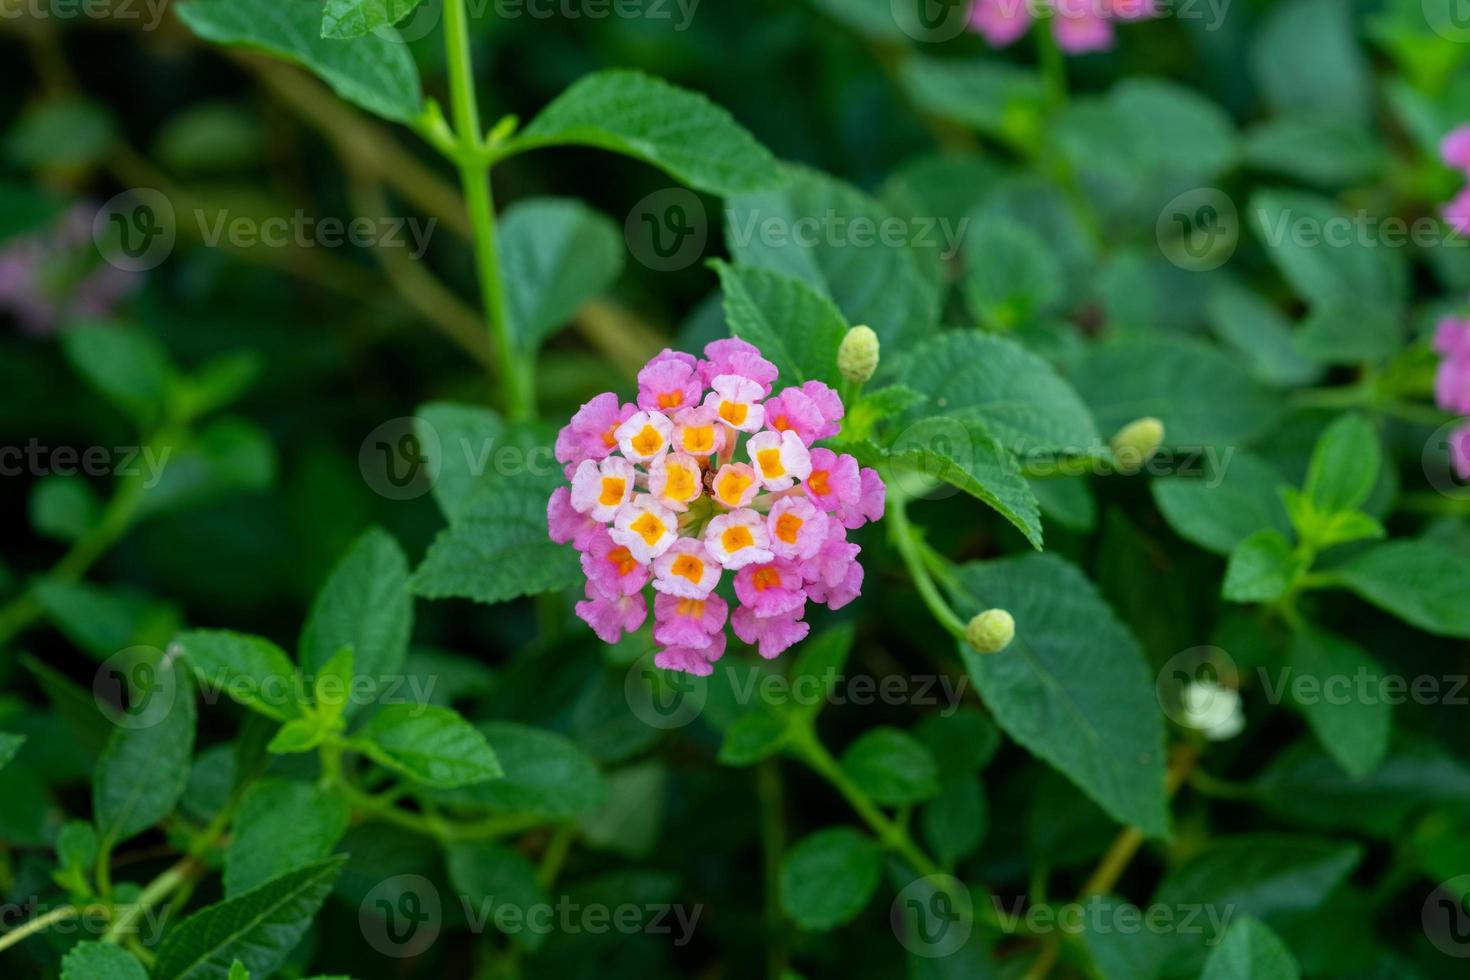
(780, 423)
(670, 399)
(735, 538)
(622, 559)
(693, 608)
(610, 438)
(818, 483)
(690, 567)
(765, 578)
(787, 527)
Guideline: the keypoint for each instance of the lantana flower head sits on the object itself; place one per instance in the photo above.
(711, 483)
(1079, 26)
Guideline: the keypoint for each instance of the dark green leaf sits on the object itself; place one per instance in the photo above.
(281, 826)
(556, 253)
(828, 877)
(430, 745)
(143, 770)
(1345, 703)
(797, 328)
(1422, 582)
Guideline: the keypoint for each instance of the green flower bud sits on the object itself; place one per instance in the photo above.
(991, 631)
(857, 357)
(1136, 442)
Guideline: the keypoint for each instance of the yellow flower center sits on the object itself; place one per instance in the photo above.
(699, 439)
(770, 462)
(649, 528)
(693, 608)
(734, 412)
(730, 486)
(648, 441)
(681, 484)
(612, 491)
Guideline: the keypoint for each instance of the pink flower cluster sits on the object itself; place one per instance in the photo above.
(663, 491)
(1454, 149)
(1079, 26)
(1452, 385)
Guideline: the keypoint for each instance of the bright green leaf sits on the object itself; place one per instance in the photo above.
(797, 328)
(282, 826)
(251, 670)
(430, 745)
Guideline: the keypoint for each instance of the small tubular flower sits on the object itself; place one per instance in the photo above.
(661, 494)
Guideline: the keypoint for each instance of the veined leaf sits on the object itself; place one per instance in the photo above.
(354, 18)
(1250, 952)
(430, 745)
(1421, 582)
(374, 73)
(680, 132)
(1351, 724)
(556, 254)
(143, 770)
(101, 961)
(828, 877)
(795, 326)
(259, 928)
(251, 670)
(282, 826)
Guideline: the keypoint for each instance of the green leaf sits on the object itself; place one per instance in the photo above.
(892, 767)
(453, 439)
(497, 550)
(492, 878)
(556, 253)
(228, 456)
(296, 736)
(962, 453)
(1329, 78)
(259, 928)
(992, 97)
(66, 133)
(1422, 582)
(101, 961)
(545, 773)
(1321, 251)
(1351, 721)
(375, 73)
(1250, 951)
(1203, 396)
(680, 132)
(1261, 568)
(1011, 277)
(76, 846)
(1220, 509)
(753, 737)
(828, 877)
(797, 328)
(954, 821)
(1261, 334)
(430, 745)
(1023, 402)
(282, 826)
(364, 605)
(143, 770)
(1344, 466)
(354, 18)
(102, 622)
(251, 670)
(1073, 687)
(331, 690)
(832, 237)
(962, 742)
(9, 745)
(1350, 332)
(238, 971)
(63, 507)
(1321, 150)
(1174, 131)
(630, 821)
(818, 666)
(122, 364)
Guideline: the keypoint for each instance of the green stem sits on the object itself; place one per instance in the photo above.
(1053, 66)
(154, 892)
(474, 175)
(555, 856)
(40, 924)
(773, 845)
(901, 533)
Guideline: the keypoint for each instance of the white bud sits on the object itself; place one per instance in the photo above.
(857, 356)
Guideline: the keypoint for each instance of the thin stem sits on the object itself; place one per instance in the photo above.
(474, 176)
(901, 533)
(554, 858)
(41, 924)
(773, 846)
(176, 876)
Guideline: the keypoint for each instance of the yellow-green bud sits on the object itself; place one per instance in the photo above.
(991, 631)
(1136, 442)
(857, 356)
